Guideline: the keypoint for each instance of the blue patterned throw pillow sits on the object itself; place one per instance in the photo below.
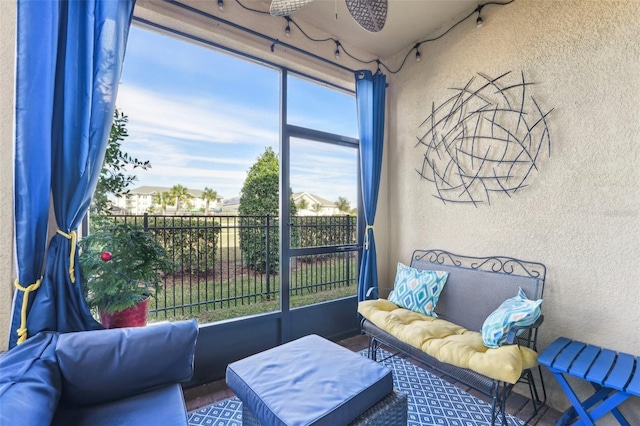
(417, 290)
(516, 311)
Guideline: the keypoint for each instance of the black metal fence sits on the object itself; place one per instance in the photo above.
(231, 261)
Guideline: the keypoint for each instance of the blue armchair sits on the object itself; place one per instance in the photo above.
(124, 376)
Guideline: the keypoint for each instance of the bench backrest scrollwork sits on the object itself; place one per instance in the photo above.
(478, 285)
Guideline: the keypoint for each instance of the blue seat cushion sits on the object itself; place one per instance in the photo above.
(163, 406)
(124, 361)
(30, 382)
(309, 381)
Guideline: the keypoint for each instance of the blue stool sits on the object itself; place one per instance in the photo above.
(312, 381)
(613, 375)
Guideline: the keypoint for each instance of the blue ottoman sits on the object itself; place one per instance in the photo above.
(312, 381)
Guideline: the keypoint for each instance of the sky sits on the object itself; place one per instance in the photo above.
(202, 118)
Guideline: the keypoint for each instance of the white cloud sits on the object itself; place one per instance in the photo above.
(160, 152)
(180, 135)
(194, 119)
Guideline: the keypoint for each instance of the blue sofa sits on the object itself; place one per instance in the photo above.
(127, 376)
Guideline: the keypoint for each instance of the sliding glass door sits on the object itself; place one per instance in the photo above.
(320, 183)
(323, 245)
(254, 192)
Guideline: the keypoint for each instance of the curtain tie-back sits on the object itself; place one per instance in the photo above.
(22, 331)
(72, 255)
(366, 236)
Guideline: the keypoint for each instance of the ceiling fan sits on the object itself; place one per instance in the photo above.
(369, 14)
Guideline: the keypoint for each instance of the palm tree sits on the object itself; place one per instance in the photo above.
(343, 205)
(162, 199)
(180, 194)
(208, 195)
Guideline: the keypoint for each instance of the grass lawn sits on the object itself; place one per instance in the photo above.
(205, 313)
(234, 291)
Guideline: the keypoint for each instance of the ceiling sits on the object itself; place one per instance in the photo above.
(408, 21)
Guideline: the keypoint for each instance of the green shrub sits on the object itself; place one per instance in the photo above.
(315, 231)
(259, 203)
(191, 241)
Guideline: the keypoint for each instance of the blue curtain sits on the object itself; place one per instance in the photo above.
(70, 57)
(370, 100)
(34, 111)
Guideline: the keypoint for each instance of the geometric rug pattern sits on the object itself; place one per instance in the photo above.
(224, 413)
(430, 399)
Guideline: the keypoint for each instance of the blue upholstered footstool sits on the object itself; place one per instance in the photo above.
(312, 381)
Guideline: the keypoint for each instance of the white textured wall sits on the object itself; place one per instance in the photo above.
(7, 64)
(580, 214)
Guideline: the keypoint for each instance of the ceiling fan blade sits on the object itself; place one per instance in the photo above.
(369, 14)
(286, 7)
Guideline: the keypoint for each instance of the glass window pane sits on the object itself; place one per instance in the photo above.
(202, 118)
(324, 277)
(319, 107)
(324, 186)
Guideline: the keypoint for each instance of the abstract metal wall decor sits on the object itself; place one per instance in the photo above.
(487, 138)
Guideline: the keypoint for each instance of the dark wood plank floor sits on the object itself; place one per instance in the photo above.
(517, 405)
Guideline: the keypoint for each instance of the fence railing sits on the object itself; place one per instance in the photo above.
(228, 261)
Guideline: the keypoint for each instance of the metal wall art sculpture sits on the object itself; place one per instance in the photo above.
(487, 138)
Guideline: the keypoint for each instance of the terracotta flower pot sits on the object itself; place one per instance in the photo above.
(135, 316)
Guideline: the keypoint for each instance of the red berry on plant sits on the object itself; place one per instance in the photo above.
(106, 256)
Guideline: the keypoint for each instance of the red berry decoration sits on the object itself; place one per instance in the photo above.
(106, 256)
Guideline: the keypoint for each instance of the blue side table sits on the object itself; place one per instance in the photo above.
(613, 375)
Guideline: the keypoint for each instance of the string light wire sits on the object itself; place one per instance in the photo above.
(417, 46)
(340, 46)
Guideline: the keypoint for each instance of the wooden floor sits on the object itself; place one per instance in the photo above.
(517, 405)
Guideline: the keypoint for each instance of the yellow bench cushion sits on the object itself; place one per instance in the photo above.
(448, 342)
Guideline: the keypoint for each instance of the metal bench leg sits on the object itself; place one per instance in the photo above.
(499, 396)
(542, 402)
(535, 394)
(494, 414)
(372, 350)
(494, 402)
(503, 404)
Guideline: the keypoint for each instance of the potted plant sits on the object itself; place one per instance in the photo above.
(122, 267)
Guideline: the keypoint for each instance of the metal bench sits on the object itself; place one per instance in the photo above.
(614, 377)
(475, 287)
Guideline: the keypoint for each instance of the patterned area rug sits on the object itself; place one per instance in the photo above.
(431, 401)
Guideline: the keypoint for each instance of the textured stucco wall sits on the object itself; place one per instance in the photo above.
(580, 214)
(7, 64)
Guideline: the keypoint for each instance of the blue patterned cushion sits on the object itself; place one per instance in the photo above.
(516, 311)
(417, 290)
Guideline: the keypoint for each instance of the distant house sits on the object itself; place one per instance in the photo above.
(314, 205)
(230, 206)
(141, 200)
(115, 210)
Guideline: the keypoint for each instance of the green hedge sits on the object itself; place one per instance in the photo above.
(191, 241)
(253, 243)
(315, 231)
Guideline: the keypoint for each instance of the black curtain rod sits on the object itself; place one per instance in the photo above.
(273, 41)
(235, 52)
